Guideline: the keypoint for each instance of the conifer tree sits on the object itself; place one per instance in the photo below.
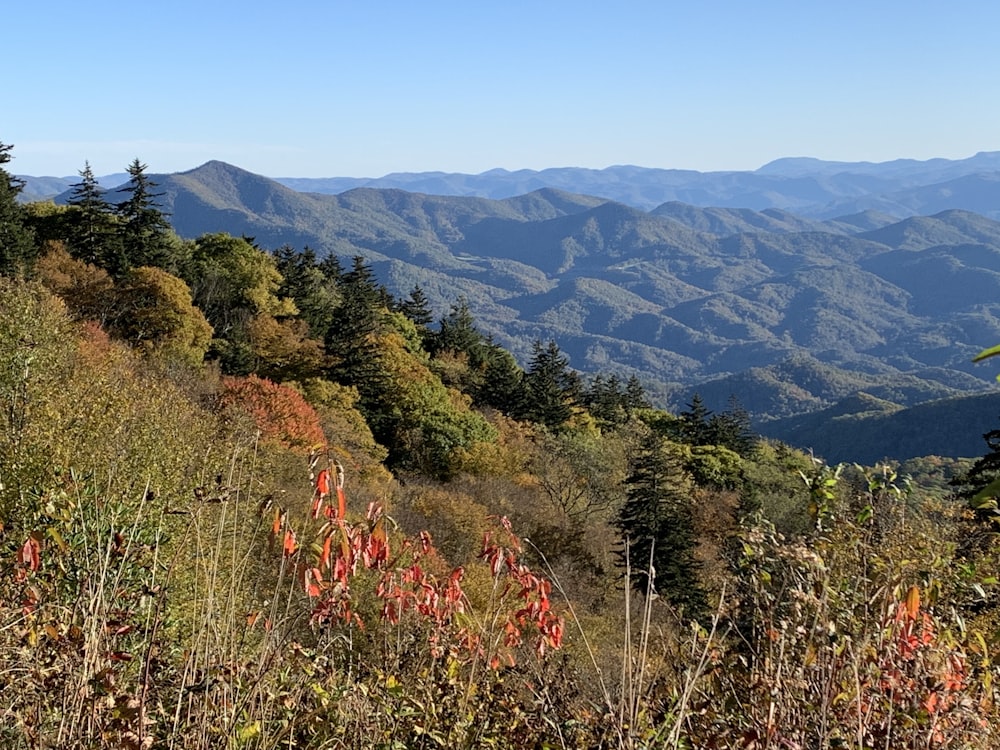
(635, 395)
(657, 530)
(417, 308)
(17, 242)
(352, 336)
(980, 477)
(458, 333)
(732, 429)
(551, 387)
(145, 232)
(502, 385)
(310, 286)
(92, 237)
(694, 422)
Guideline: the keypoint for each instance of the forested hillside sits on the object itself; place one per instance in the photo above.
(689, 300)
(252, 497)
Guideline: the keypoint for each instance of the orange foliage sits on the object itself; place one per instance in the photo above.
(279, 412)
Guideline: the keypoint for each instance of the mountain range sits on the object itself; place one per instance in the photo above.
(791, 311)
(809, 187)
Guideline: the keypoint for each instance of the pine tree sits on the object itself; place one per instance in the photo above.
(92, 238)
(354, 327)
(502, 385)
(17, 243)
(458, 333)
(656, 528)
(551, 387)
(417, 308)
(145, 232)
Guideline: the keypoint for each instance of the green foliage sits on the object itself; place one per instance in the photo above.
(551, 387)
(657, 533)
(35, 355)
(144, 233)
(715, 466)
(232, 281)
(608, 400)
(311, 285)
(458, 333)
(17, 242)
(430, 422)
(417, 308)
(94, 237)
(152, 310)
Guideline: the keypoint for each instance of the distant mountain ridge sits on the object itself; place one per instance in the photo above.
(808, 187)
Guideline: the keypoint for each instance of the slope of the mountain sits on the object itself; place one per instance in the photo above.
(865, 429)
(726, 221)
(801, 383)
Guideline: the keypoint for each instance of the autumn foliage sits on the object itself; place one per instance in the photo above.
(278, 411)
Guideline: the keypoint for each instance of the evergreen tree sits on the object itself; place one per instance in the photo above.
(354, 327)
(312, 289)
(17, 243)
(694, 423)
(731, 429)
(145, 233)
(635, 395)
(656, 528)
(502, 385)
(92, 237)
(551, 387)
(458, 333)
(604, 399)
(417, 308)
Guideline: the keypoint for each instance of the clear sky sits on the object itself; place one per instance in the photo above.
(313, 88)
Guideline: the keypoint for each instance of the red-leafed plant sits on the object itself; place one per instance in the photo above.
(279, 412)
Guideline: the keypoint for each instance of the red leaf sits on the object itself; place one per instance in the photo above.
(30, 554)
(323, 483)
(341, 503)
(290, 544)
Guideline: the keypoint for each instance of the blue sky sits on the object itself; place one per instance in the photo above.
(321, 89)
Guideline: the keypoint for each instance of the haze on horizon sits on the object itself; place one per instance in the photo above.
(322, 89)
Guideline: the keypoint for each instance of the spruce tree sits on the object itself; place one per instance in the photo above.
(732, 429)
(551, 387)
(417, 308)
(17, 243)
(694, 423)
(354, 327)
(145, 232)
(305, 282)
(635, 395)
(92, 238)
(657, 531)
(458, 333)
(502, 385)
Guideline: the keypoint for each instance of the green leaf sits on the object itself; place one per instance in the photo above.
(993, 351)
(986, 498)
